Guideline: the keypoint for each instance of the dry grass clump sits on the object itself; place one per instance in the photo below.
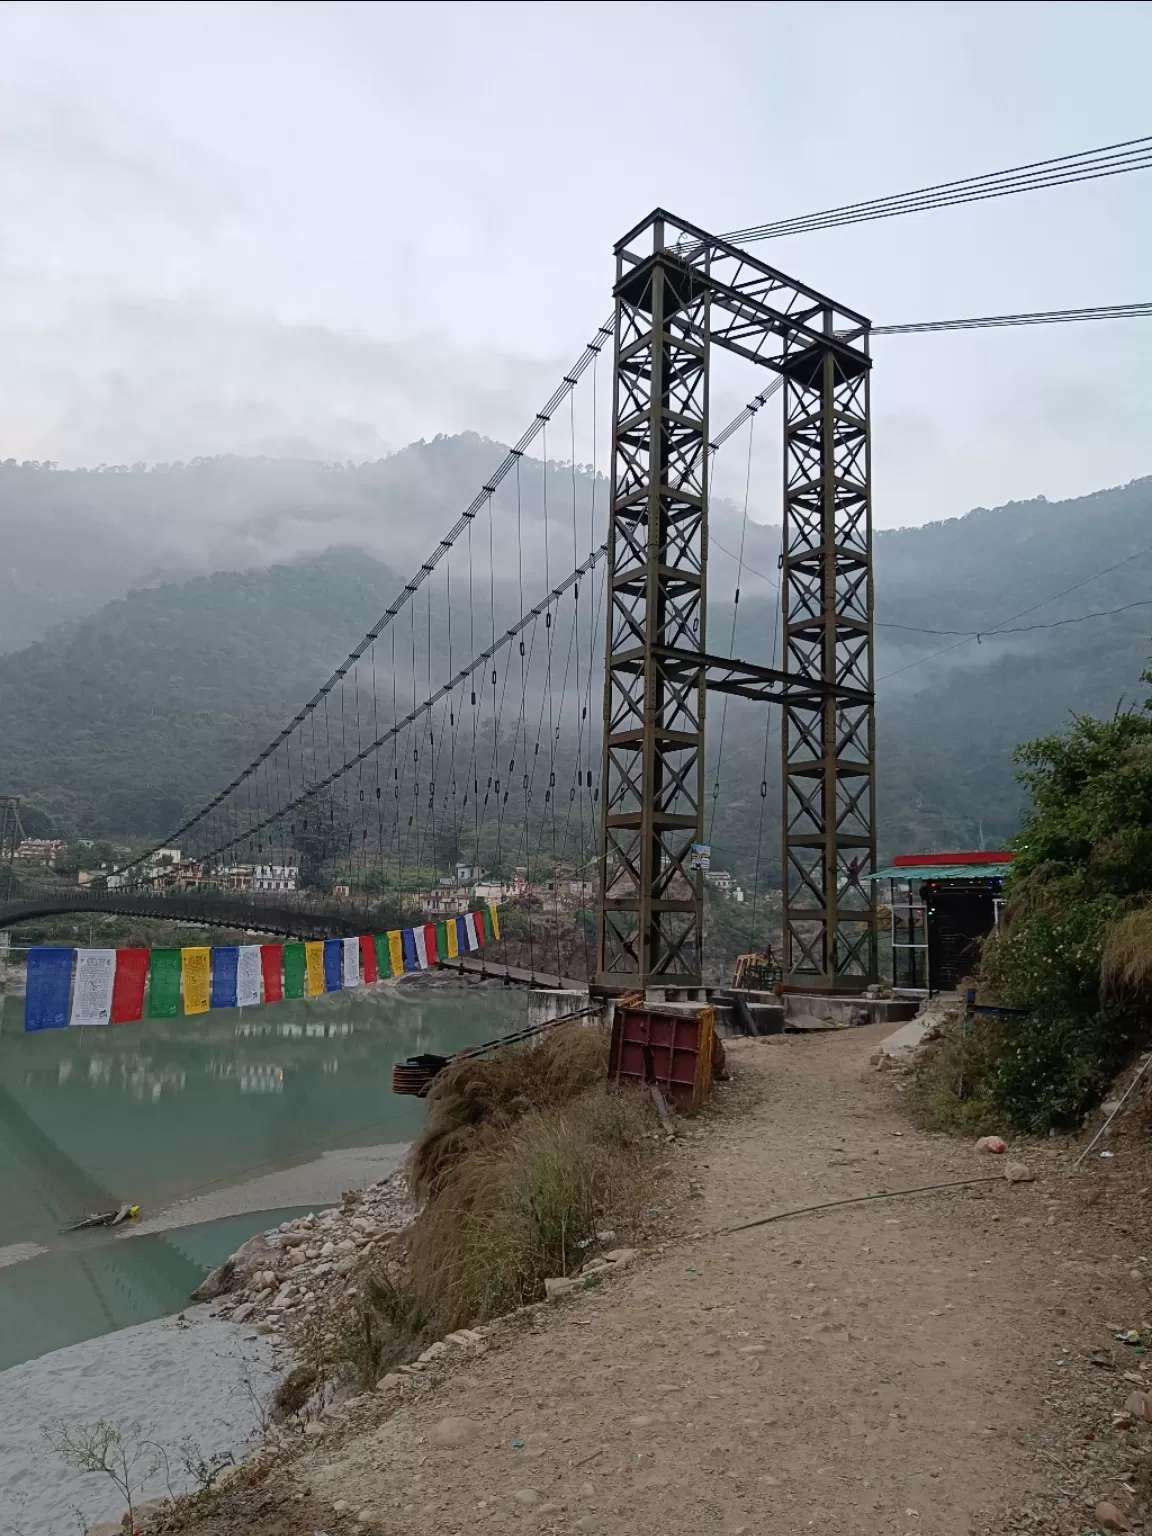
(472, 1101)
(527, 1155)
(1126, 958)
(527, 1203)
(951, 1085)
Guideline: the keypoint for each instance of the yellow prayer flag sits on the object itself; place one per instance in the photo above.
(495, 923)
(396, 952)
(452, 934)
(196, 969)
(314, 968)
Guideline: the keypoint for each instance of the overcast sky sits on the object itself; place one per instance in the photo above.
(334, 228)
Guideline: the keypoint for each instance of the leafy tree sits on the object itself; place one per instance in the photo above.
(1084, 859)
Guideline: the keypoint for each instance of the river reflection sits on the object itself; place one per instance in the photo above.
(166, 1109)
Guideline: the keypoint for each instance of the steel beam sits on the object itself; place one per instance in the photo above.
(650, 906)
(678, 291)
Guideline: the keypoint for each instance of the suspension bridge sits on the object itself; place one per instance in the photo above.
(554, 740)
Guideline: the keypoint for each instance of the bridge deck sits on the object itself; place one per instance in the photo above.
(475, 966)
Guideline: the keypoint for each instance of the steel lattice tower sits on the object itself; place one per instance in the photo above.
(678, 291)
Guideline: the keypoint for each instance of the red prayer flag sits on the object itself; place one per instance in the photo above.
(478, 928)
(128, 985)
(430, 942)
(272, 969)
(368, 968)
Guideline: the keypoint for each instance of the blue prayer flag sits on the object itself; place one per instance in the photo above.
(225, 959)
(462, 944)
(333, 964)
(49, 986)
(408, 941)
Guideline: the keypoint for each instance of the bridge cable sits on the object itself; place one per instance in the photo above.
(1061, 170)
(1113, 159)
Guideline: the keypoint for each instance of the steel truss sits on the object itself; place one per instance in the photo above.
(678, 291)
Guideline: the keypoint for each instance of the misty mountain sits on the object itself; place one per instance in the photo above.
(119, 721)
(73, 540)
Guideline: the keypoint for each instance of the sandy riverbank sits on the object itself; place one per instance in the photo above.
(319, 1182)
(196, 1383)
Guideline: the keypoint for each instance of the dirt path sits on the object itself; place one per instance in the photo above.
(895, 1367)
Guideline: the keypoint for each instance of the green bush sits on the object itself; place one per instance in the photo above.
(1083, 867)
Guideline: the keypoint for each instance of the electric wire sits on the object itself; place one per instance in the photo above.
(1060, 170)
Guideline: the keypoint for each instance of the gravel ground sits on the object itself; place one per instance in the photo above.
(944, 1365)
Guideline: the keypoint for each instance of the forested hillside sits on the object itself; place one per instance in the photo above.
(119, 721)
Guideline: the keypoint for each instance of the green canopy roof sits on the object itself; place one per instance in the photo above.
(943, 872)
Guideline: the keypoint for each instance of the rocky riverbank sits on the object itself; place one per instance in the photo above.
(281, 1281)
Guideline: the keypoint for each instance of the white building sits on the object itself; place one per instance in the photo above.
(275, 877)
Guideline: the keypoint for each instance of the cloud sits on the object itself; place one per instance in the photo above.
(122, 380)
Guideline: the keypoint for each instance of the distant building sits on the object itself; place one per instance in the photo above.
(40, 850)
(720, 880)
(275, 877)
(342, 892)
(438, 904)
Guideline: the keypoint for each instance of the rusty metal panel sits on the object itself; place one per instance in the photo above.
(673, 1050)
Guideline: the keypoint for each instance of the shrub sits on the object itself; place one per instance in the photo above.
(1073, 950)
(527, 1204)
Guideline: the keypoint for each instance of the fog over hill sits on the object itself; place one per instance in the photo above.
(161, 624)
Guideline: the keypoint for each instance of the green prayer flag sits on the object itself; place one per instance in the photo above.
(383, 955)
(441, 941)
(164, 984)
(486, 916)
(293, 970)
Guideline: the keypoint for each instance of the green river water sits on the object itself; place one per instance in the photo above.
(165, 1110)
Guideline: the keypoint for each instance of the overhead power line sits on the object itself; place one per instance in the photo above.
(1138, 311)
(1085, 165)
(1111, 160)
(1012, 617)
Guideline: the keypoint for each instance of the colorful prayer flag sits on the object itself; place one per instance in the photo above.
(350, 962)
(430, 942)
(92, 990)
(49, 986)
(225, 960)
(314, 967)
(470, 933)
(295, 970)
(452, 936)
(494, 917)
(196, 969)
(369, 965)
(164, 984)
(128, 988)
(333, 964)
(442, 950)
(248, 976)
(272, 971)
(396, 961)
(479, 929)
(460, 934)
(421, 945)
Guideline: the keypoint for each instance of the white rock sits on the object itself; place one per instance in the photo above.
(526, 1496)
(346, 1245)
(1019, 1173)
(433, 1352)
(243, 1312)
(586, 1523)
(560, 1285)
(340, 1506)
(328, 1249)
(622, 1256)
